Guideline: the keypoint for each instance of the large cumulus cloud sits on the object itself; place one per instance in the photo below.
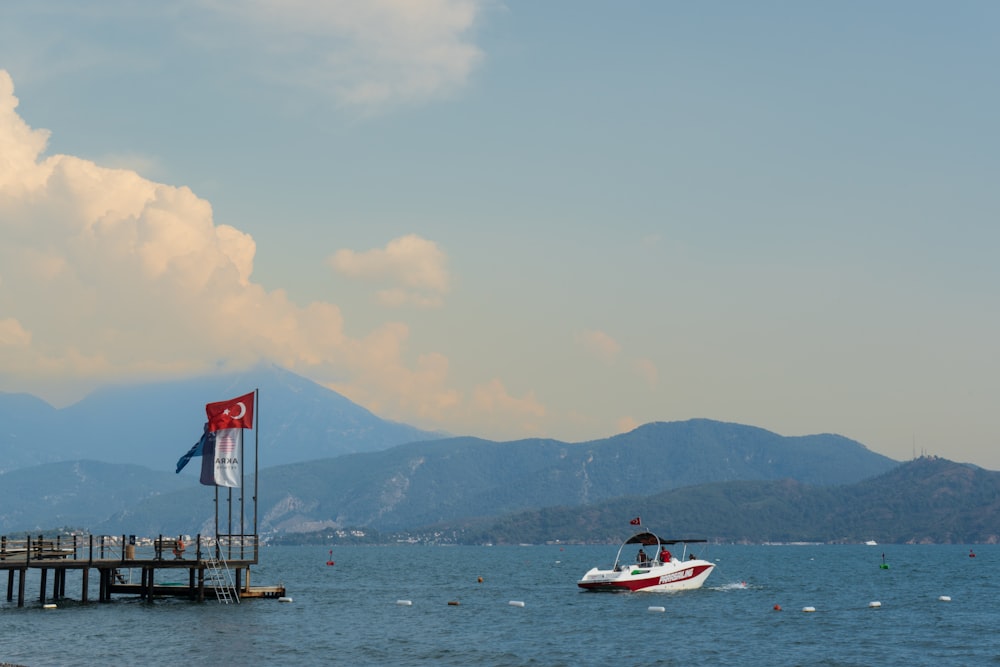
(108, 276)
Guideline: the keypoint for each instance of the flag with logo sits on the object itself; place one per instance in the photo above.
(220, 462)
(222, 466)
(635, 522)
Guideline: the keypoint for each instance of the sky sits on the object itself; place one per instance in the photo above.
(515, 219)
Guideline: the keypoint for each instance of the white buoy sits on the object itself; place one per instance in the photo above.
(945, 598)
(48, 606)
(658, 609)
(808, 609)
(284, 599)
(874, 604)
(516, 603)
(404, 603)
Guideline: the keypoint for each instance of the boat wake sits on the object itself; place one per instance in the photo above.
(734, 586)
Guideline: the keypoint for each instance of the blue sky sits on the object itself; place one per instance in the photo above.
(516, 219)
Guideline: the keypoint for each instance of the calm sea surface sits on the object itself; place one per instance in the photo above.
(348, 614)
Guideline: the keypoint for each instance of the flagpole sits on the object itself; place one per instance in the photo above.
(216, 520)
(243, 483)
(229, 530)
(256, 470)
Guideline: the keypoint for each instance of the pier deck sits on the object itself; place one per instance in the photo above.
(125, 568)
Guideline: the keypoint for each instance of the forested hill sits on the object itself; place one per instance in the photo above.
(427, 482)
(928, 500)
(422, 483)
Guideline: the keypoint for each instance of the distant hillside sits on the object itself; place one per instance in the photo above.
(928, 500)
(454, 481)
(154, 424)
(26, 432)
(429, 482)
(76, 493)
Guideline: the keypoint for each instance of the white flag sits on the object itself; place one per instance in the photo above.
(227, 466)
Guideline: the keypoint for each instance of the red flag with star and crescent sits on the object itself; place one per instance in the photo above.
(234, 413)
(636, 521)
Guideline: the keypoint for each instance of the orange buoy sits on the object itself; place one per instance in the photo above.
(777, 607)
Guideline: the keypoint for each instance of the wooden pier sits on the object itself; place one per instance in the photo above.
(220, 567)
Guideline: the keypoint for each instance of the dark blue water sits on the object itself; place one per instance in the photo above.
(348, 614)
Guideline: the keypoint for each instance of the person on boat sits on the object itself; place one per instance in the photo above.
(641, 556)
(691, 557)
(665, 555)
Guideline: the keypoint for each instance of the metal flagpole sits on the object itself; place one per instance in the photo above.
(243, 483)
(216, 520)
(256, 468)
(229, 530)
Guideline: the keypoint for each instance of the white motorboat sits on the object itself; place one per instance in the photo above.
(656, 570)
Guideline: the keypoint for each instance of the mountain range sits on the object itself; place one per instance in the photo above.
(329, 465)
(153, 424)
(927, 500)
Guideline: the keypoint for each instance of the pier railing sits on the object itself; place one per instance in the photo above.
(91, 548)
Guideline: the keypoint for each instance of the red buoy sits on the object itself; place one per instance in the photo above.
(330, 562)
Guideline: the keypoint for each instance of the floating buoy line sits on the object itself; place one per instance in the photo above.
(655, 609)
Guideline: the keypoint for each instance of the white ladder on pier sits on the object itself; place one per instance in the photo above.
(220, 578)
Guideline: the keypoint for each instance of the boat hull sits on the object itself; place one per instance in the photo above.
(674, 576)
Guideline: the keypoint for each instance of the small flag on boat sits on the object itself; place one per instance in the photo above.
(635, 522)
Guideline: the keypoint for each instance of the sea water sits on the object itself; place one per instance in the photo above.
(420, 605)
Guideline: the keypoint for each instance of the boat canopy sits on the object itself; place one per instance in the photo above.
(651, 540)
(647, 539)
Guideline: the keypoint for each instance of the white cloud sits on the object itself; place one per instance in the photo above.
(600, 345)
(647, 370)
(13, 334)
(367, 54)
(507, 416)
(415, 269)
(107, 276)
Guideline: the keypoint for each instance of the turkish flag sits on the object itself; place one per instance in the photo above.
(234, 413)
(635, 522)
